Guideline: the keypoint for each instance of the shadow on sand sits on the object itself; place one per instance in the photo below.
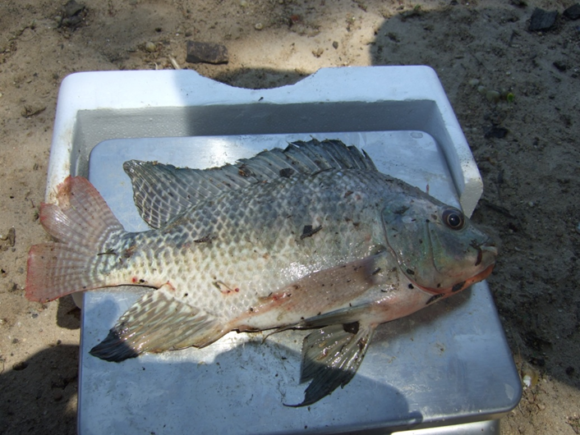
(39, 395)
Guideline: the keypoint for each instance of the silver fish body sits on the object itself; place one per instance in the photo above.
(310, 237)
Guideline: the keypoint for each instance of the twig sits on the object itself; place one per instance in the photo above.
(174, 62)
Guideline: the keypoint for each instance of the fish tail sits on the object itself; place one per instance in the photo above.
(83, 225)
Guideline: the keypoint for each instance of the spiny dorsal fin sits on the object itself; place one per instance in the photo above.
(163, 192)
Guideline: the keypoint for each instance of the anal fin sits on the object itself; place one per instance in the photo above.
(330, 358)
(155, 323)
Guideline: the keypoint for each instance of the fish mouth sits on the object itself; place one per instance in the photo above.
(487, 253)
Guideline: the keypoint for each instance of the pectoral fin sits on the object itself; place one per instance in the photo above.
(155, 323)
(331, 357)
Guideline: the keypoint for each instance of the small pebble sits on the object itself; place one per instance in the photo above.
(318, 52)
(492, 96)
(258, 26)
(73, 14)
(335, 44)
(150, 47)
(530, 375)
(72, 8)
(474, 82)
(29, 111)
(495, 132)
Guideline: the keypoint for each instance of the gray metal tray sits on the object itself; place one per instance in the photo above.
(447, 364)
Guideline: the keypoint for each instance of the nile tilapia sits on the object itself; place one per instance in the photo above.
(309, 237)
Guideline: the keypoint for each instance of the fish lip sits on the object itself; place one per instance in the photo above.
(488, 248)
(448, 291)
(480, 276)
(491, 249)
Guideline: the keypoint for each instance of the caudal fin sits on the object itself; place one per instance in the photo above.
(82, 223)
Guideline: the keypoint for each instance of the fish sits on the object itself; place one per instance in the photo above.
(312, 237)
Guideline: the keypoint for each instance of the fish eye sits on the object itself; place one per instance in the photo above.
(453, 219)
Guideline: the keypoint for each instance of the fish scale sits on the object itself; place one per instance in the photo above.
(312, 236)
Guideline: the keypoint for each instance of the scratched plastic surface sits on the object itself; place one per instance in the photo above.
(448, 363)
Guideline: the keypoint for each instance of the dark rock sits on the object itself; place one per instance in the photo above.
(560, 66)
(542, 20)
(20, 366)
(206, 52)
(496, 132)
(573, 12)
(534, 341)
(519, 3)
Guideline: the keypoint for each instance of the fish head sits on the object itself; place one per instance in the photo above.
(436, 245)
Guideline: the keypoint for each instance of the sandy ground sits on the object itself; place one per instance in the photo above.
(500, 77)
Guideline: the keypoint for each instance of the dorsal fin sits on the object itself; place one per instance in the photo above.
(162, 192)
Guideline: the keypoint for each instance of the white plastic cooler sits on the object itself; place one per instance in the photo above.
(447, 368)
